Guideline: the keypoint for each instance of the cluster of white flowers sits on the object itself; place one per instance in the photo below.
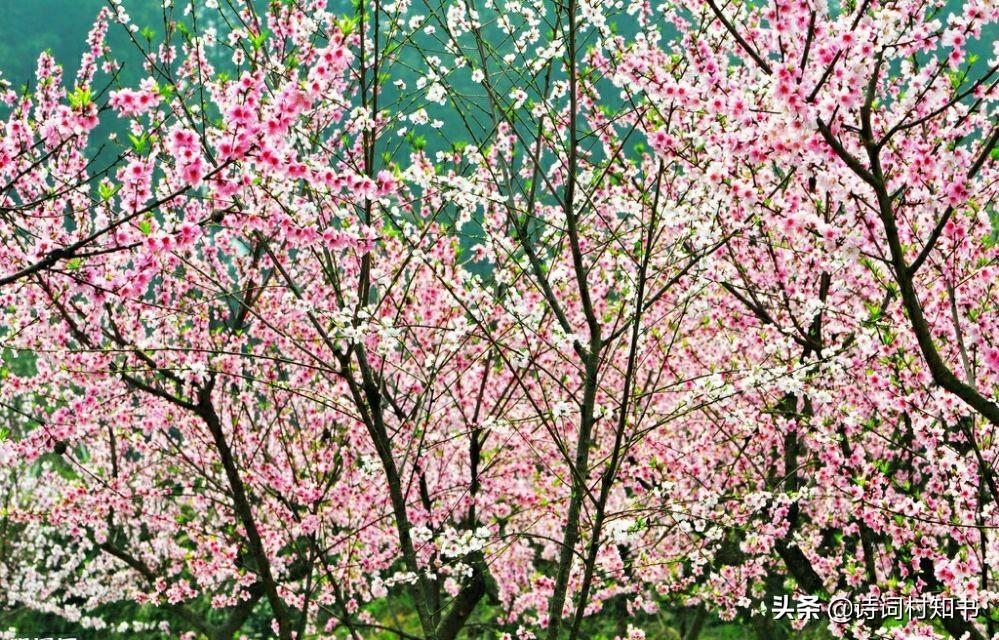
(621, 530)
(519, 97)
(388, 338)
(793, 382)
(362, 119)
(421, 534)
(379, 587)
(455, 544)
(562, 409)
(457, 19)
(370, 465)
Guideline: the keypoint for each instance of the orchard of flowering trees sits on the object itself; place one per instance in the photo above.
(502, 319)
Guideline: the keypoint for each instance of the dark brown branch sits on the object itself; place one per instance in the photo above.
(760, 62)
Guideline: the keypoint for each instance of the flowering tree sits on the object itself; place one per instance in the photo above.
(857, 144)
(480, 321)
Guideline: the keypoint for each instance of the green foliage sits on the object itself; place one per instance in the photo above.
(348, 24)
(992, 239)
(107, 190)
(257, 41)
(165, 91)
(139, 143)
(18, 363)
(80, 97)
(416, 141)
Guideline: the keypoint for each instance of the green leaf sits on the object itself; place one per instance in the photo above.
(80, 97)
(347, 25)
(145, 227)
(106, 190)
(139, 143)
(164, 91)
(993, 238)
(257, 41)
